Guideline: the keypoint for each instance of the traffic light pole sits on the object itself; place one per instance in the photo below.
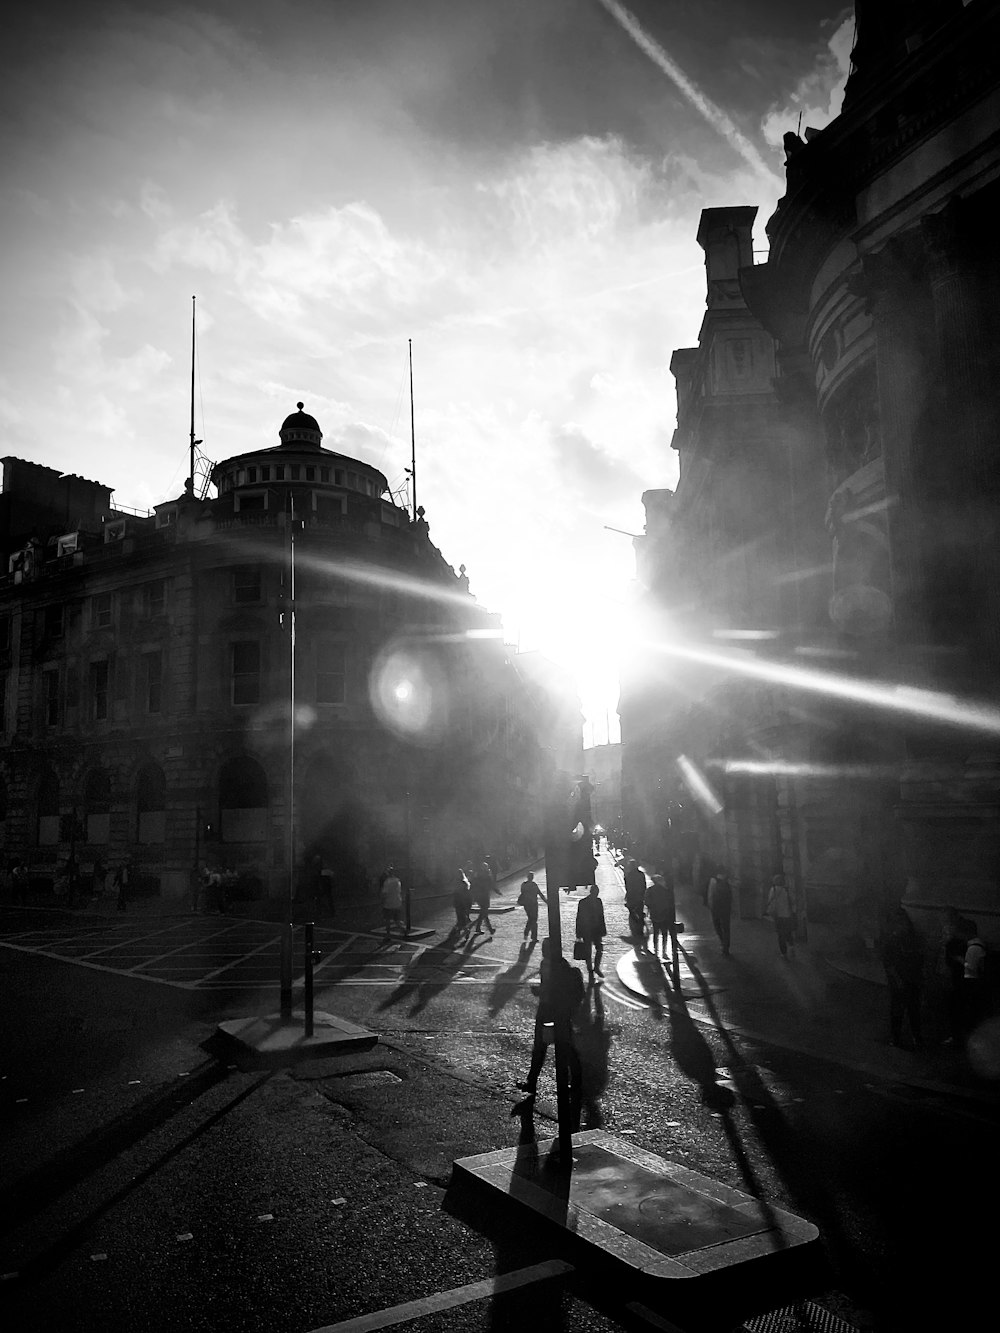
(558, 864)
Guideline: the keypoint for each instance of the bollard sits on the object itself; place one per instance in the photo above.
(286, 970)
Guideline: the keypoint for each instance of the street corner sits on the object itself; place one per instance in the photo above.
(276, 1039)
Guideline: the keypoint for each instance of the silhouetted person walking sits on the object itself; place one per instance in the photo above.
(528, 899)
(561, 993)
(720, 904)
(591, 928)
(661, 905)
(482, 891)
(635, 898)
(781, 908)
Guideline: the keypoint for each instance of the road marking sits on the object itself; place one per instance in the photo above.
(134, 939)
(268, 944)
(188, 944)
(448, 1300)
(96, 967)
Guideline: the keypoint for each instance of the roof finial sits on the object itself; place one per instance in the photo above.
(300, 406)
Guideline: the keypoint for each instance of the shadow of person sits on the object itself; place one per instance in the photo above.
(506, 984)
(653, 980)
(593, 1043)
(442, 964)
(693, 1056)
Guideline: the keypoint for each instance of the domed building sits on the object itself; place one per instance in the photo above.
(152, 667)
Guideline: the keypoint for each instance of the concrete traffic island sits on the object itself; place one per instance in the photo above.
(279, 1040)
(687, 1247)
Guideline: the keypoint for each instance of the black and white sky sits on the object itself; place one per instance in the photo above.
(514, 185)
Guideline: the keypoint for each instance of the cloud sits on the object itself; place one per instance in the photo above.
(589, 470)
(818, 95)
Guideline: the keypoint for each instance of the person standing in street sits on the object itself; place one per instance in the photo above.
(461, 900)
(975, 1005)
(482, 892)
(528, 899)
(122, 877)
(958, 931)
(591, 928)
(903, 960)
(781, 908)
(392, 902)
(662, 908)
(635, 898)
(720, 904)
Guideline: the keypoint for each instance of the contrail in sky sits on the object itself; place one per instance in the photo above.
(715, 115)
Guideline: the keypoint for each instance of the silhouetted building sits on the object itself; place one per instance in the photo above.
(146, 680)
(837, 511)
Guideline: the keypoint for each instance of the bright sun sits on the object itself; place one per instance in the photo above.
(584, 626)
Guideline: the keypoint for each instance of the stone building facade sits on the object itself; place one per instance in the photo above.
(147, 677)
(855, 746)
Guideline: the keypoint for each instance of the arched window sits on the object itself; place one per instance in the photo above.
(243, 801)
(48, 809)
(97, 805)
(150, 805)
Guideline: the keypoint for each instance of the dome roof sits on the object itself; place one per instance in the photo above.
(300, 428)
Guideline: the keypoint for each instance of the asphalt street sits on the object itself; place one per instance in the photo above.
(151, 1183)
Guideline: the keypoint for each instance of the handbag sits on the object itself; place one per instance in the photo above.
(580, 951)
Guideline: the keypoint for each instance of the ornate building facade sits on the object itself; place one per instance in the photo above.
(148, 673)
(840, 501)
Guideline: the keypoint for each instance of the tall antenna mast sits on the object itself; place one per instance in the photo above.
(191, 473)
(413, 436)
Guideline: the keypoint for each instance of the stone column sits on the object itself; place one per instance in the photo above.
(965, 446)
(898, 303)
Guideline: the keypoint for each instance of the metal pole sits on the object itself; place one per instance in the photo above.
(408, 872)
(309, 978)
(191, 477)
(558, 870)
(413, 435)
(291, 706)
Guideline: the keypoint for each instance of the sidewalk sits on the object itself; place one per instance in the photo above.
(817, 1001)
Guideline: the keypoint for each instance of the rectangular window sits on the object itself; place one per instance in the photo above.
(50, 690)
(331, 674)
(329, 508)
(246, 585)
(352, 480)
(54, 621)
(99, 691)
(152, 681)
(5, 636)
(103, 608)
(244, 502)
(154, 598)
(265, 474)
(324, 474)
(310, 474)
(338, 476)
(279, 472)
(294, 471)
(251, 474)
(245, 673)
